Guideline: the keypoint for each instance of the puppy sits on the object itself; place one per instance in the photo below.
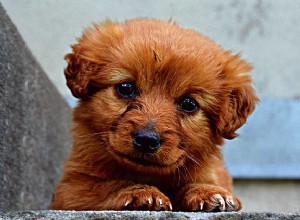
(155, 104)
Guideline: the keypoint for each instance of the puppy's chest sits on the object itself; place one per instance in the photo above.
(164, 183)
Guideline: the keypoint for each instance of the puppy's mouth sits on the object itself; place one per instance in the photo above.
(141, 160)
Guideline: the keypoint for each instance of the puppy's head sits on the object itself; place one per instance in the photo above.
(158, 95)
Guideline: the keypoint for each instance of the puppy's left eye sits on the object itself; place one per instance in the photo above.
(126, 90)
(188, 105)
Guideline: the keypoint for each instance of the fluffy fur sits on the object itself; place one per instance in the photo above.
(166, 63)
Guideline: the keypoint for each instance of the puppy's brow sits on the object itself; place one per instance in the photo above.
(120, 75)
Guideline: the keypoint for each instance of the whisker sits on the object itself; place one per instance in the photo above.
(194, 159)
(187, 173)
(92, 134)
(179, 177)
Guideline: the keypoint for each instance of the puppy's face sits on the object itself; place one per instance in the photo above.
(159, 96)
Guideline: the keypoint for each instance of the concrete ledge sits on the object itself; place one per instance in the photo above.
(124, 215)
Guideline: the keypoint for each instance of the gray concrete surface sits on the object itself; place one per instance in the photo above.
(266, 32)
(34, 126)
(128, 215)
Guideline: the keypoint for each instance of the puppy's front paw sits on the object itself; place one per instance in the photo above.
(143, 197)
(208, 198)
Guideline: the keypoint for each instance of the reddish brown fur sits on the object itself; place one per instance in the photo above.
(166, 62)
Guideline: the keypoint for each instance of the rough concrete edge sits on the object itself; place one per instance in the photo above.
(42, 77)
(124, 215)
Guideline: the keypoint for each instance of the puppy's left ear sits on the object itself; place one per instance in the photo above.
(240, 99)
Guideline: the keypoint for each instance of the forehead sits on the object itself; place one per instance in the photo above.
(169, 57)
(174, 74)
(154, 54)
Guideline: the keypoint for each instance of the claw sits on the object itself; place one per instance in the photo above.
(170, 205)
(160, 202)
(126, 203)
(220, 200)
(201, 205)
(149, 201)
(230, 203)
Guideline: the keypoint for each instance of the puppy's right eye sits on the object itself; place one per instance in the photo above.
(126, 90)
(188, 105)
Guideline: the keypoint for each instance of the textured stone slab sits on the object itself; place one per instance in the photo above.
(127, 215)
(268, 146)
(34, 126)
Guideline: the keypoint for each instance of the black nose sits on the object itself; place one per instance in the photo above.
(146, 142)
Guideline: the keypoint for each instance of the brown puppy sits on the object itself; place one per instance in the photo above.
(156, 102)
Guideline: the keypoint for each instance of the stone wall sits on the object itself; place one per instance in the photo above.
(34, 126)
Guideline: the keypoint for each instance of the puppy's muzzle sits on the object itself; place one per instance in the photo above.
(146, 141)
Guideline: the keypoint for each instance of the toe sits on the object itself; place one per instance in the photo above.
(219, 202)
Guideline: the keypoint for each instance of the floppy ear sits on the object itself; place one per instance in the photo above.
(92, 52)
(240, 98)
(76, 75)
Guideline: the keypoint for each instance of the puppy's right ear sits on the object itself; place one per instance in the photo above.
(78, 74)
(75, 73)
(90, 54)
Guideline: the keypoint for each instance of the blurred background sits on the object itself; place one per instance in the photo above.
(265, 159)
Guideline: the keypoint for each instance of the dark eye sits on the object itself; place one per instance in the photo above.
(126, 90)
(188, 105)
